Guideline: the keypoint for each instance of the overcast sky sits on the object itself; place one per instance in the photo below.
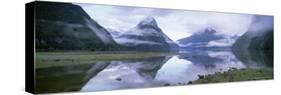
(176, 24)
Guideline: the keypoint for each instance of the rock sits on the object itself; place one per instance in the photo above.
(232, 68)
(57, 60)
(118, 79)
(167, 84)
(201, 76)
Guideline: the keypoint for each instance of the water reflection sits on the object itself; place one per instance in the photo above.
(255, 58)
(187, 67)
(127, 74)
(139, 73)
(66, 78)
(159, 71)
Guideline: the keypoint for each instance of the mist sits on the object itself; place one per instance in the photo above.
(261, 23)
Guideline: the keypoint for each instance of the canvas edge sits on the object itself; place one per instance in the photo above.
(29, 47)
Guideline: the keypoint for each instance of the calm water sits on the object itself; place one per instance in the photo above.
(146, 72)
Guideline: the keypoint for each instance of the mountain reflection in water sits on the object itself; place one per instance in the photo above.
(160, 71)
(144, 72)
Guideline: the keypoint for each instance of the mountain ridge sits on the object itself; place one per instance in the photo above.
(146, 35)
(68, 27)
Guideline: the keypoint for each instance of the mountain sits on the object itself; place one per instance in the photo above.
(65, 26)
(146, 36)
(200, 38)
(207, 38)
(255, 47)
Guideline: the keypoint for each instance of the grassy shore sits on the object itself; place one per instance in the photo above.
(50, 59)
(235, 75)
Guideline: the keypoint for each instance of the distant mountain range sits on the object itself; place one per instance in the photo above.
(207, 38)
(65, 26)
(144, 36)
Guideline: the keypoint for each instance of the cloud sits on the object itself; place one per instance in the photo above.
(261, 23)
(221, 43)
(121, 10)
(176, 24)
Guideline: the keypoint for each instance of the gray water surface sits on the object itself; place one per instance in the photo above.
(170, 70)
(162, 71)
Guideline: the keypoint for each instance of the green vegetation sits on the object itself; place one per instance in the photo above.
(235, 75)
(50, 59)
(59, 84)
(65, 26)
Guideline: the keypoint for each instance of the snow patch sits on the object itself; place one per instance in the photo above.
(148, 21)
(125, 41)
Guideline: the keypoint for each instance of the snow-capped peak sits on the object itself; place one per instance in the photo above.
(210, 30)
(148, 21)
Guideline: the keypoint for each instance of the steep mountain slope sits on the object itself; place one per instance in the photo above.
(65, 26)
(146, 36)
(255, 47)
